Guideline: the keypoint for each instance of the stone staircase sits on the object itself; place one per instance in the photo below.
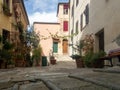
(65, 57)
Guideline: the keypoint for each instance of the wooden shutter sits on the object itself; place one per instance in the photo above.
(65, 26)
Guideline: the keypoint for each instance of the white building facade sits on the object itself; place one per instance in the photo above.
(77, 12)
(98, 17)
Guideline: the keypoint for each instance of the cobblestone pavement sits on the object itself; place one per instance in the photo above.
(62, 76)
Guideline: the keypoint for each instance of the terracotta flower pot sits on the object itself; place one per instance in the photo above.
(53, 61)
(79, 63)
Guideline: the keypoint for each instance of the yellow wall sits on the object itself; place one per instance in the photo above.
(5, 21)
(8, 22)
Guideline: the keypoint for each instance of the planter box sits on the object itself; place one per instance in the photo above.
(10, 66)
(79, 63)
(20, 63)
(98, 64)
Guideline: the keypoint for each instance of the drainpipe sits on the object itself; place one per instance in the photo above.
(73, 26)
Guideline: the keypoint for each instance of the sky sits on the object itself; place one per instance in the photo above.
(42, 10)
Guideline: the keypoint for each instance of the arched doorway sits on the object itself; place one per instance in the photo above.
(65, 46)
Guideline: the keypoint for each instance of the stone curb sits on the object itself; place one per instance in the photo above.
(49, 84)
(111, 86)
(107, 71)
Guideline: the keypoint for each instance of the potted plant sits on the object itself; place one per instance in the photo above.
(5, 57)
(6, 53)
(10, 64)
(19, 62)
(78, 57)
(37, 55)
(93, 59)
(79, 60)
(52, 60)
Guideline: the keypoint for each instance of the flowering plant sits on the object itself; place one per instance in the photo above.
(88, 43)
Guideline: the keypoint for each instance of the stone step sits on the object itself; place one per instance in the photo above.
(63, 58)
(108, 80)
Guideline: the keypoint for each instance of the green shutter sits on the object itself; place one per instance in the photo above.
(55, 47)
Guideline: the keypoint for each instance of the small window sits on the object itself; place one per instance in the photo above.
(65, 26)
(65, 9)
(77, 27)
(81, 21)
(72, 11)
(86, 12)
(77, 2)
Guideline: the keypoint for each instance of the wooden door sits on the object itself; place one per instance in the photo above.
(55, 47)
(65, 46)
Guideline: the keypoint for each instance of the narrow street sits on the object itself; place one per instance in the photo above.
(62, 76)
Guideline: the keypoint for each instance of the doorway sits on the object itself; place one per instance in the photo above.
(65, 46)
(100, 37)
(6, 35)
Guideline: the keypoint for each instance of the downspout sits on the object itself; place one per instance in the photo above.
(73, 27)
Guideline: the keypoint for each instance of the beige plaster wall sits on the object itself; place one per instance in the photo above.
(44, 29)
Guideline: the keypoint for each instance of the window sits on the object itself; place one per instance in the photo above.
(77, 27)
(84, 18)
(65, 26)
(72, 11)
(77, 2)
(55, 47)
(72, 35)
(81, 21)
(86, 12)
(65, 9)
(5, 35)
(6, 2)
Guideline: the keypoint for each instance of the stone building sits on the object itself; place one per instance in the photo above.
(56, 32)
(77, 9)
(12, 12)
(98, 17)
(13, 22)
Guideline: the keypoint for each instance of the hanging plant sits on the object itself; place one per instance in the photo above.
(21, 36)
(6, 10)
(20, 26)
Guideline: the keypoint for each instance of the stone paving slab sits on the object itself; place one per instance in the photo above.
(115, 69)
(109, 80)
(34, 86)
(63, 82)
